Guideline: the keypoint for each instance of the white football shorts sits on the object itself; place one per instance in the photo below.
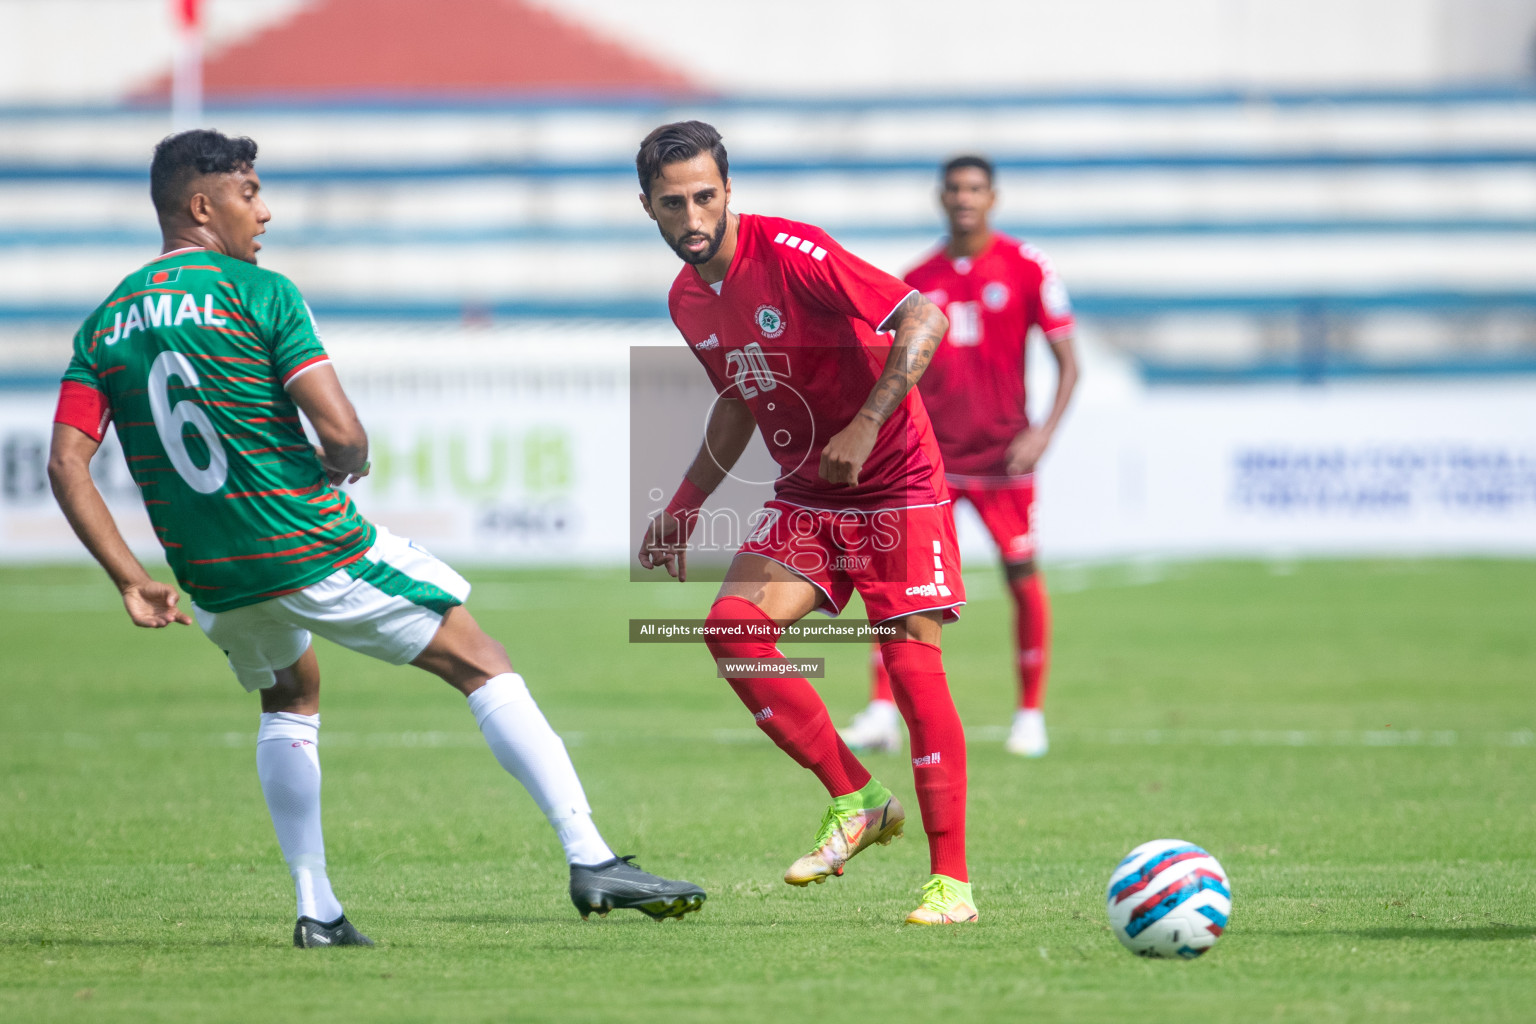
(387, 605)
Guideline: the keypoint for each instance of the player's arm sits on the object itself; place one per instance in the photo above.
(149, 603)
(918, 326)
(726, 436)
(343, 447)
(1025, 451)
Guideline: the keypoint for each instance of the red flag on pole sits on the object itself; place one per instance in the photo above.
(187, 73)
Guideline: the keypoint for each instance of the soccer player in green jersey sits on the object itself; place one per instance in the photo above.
(203, 361)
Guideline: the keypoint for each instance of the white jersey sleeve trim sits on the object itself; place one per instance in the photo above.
(904, 298)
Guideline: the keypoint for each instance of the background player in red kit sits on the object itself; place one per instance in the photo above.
(786, 322)
(993, 289)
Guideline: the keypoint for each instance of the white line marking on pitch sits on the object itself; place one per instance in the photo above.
(444, 739)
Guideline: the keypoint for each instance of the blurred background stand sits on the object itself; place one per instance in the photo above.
(1300, 237)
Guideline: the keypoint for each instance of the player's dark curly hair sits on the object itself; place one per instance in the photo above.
(981, 163)
(676, 142)
(185, 156)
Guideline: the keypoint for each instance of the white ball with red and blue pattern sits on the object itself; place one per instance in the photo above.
(1169, 898)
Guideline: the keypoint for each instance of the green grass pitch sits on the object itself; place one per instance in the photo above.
(1353, 740)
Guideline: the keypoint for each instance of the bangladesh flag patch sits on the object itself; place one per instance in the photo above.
(166, 276)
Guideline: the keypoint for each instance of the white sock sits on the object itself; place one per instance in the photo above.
(525, 745)
(288, 764)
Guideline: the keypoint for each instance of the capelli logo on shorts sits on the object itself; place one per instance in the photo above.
(923, 590)
(926, 760)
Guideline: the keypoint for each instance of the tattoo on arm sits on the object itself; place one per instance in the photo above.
(919, 329)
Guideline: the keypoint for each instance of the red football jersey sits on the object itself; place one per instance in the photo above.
(974, 389)
(792, 332)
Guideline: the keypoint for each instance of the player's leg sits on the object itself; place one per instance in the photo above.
(276, 659)
(913, 582)
(758, 598)
(288, 765)
(403, 605)
(528, 748)
(1008, 513)
(465, 657)
(878, 725)
(1032, 638)
(916, 664)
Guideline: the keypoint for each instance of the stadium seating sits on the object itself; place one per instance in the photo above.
(1203, 234)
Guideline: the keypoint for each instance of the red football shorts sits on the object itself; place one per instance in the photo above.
(900, 560)
(1006, 507)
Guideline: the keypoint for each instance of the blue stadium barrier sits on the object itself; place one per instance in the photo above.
(1101, 305)
(138, 173)
(1330, 366)
(642, 230)
(1180, 374)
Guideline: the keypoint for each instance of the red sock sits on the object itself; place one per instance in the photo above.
(789, 710)
(1032, 635)
(879, 678)
(938, 750)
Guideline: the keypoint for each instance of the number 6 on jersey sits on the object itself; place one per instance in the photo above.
(170, 421)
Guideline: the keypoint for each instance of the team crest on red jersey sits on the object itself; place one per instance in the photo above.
(995, 295)
(769, 320)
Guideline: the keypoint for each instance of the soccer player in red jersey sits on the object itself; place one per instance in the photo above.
(786, 324)
(993, 289)
(203, 361)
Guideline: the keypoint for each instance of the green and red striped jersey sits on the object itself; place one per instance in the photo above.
(193, 354)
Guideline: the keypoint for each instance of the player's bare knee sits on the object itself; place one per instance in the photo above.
(923, 627)
(295, 689)
(491, 655)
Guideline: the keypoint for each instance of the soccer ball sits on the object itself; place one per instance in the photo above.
(1168, 898)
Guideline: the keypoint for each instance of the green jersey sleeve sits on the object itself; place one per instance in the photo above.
(82, 361)
(292, 339)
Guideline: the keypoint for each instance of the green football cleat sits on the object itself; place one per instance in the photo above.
(853, 822)
(945, 901)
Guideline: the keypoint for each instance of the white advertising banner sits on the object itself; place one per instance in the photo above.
(497, 478)
(541, 475)
(1389, 468)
